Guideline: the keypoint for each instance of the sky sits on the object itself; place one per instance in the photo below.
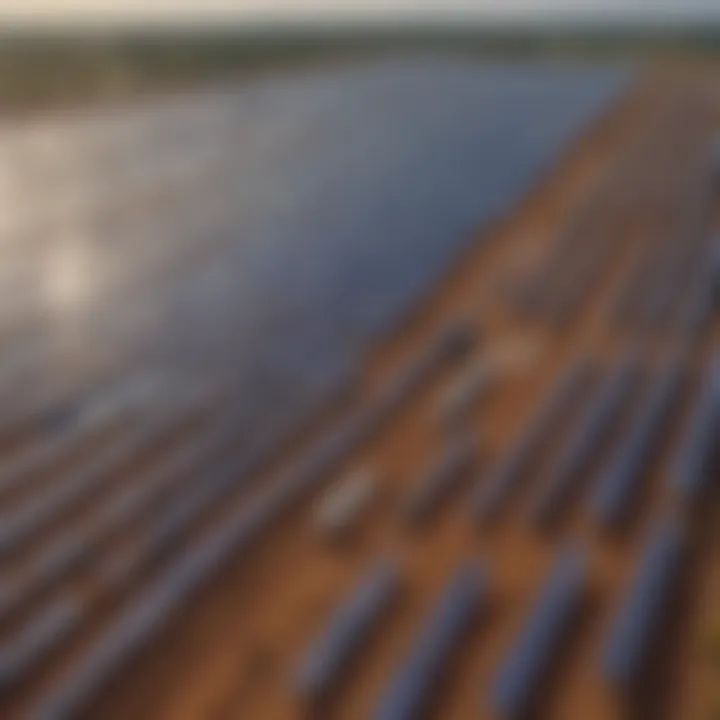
(311, 10)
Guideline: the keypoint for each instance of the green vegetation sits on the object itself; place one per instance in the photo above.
(70, 66)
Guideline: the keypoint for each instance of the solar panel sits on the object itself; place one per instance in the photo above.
(519, 682)
(350, 627)
(640, 615)
(495, 490)
(419, 678)
(571, 467)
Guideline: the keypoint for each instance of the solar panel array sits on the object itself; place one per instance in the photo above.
(218, 265)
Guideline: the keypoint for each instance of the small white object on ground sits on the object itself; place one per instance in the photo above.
(460, 395)
(342, 505)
